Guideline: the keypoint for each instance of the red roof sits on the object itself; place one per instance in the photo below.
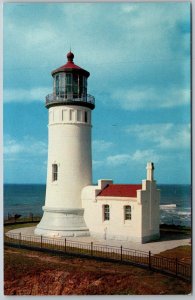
(70, 65)
(121, 190)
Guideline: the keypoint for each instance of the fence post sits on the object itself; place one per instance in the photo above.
(65, 245)
(41, 240)
(91, 248)
(121, 252)
(176, 267)
(20, 238)
(149, 262)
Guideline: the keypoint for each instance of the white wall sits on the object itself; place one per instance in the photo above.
(70, 148)
(144, 223)
(150, 199)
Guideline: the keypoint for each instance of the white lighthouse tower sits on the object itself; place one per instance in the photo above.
(69, 152)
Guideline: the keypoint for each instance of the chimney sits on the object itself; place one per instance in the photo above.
(150, 171)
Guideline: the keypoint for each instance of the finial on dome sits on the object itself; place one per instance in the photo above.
(70, 56)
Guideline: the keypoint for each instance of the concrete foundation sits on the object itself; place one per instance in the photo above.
(58, 222)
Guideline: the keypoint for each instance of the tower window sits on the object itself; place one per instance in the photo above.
(86, 117)
(106, 212)
(54, 172)
(127, 212)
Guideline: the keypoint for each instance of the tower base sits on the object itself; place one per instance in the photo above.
(59, 222)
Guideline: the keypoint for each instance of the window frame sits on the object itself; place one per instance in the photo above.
(54, 172)
(127, 214)
(106, 212)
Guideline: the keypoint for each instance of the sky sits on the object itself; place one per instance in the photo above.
(138, 55)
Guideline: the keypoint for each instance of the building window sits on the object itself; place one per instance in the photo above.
(85, 116)
(54, 172)
(127, 212)
(106, 211)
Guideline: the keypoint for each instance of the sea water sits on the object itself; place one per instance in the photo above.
(26, 199)
(179, 213)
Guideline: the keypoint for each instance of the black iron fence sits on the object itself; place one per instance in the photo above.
(63, 246)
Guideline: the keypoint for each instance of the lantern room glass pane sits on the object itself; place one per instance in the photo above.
(68, 89)
(57, 85)
(68, 86)
(62, 84)
(68, 78)
(80, 86)
(75, 85)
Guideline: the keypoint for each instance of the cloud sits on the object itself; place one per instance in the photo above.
(138, 55)
(26, 95)
(38, 33)
(27, 147)
(145, 156)
(164, 136)
(12, 147)
(101, 145)
(98, 163)
(139, 156)
(129, 8)
(150, 98)
(118, 159)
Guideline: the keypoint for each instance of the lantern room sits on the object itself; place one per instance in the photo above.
(70, 86)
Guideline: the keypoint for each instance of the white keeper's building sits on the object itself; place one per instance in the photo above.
(73, 205)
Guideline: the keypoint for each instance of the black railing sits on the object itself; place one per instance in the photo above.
(69, 98)
(61, 246)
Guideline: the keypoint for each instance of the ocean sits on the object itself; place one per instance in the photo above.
(26, 199)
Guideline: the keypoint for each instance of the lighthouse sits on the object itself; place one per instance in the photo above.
(69, 167)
